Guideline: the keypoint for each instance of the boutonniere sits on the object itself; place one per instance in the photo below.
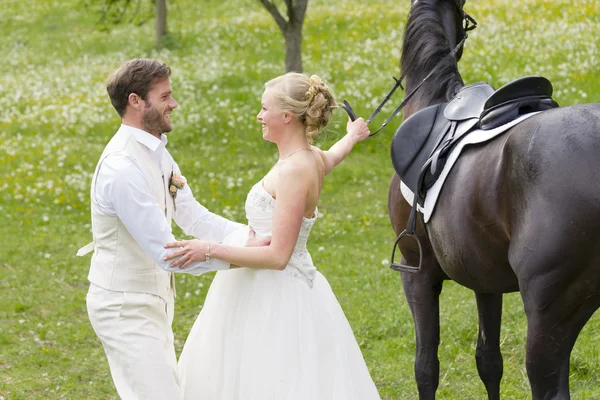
(176, 182)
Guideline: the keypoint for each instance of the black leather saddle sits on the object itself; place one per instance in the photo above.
(516, 98)
(422, 143)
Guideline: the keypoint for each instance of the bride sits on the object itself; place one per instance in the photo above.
(274, 330)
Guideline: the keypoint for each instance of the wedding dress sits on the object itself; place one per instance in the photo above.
(272, 335)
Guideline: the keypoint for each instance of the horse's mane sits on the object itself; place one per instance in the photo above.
(424, 48)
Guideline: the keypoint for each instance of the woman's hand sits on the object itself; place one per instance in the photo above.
(188, 252)
(358, 129)
(253, 241)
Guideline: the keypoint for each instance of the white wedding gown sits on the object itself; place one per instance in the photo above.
(272, 335)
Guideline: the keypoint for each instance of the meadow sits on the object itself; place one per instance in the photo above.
(55, 119)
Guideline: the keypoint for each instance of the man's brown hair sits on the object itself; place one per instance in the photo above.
(134, 76)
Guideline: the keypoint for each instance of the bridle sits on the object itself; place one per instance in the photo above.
(469, 25)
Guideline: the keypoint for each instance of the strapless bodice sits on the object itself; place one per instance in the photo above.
(260, 206)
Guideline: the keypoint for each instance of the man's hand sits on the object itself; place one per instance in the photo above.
(254, 242)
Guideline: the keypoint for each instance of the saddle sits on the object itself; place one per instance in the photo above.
(423, 142)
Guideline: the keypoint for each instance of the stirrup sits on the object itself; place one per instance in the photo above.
(406, 268)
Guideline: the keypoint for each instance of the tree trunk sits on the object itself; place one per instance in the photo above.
(161, 20)
(291, 30)
(293, 47)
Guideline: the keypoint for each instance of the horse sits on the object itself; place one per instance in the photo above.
(519, 213)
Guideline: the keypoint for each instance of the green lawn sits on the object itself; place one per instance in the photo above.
(55, 119)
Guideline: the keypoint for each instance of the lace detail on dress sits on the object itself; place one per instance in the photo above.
(259, 200)
(300, 253)
(309, 280)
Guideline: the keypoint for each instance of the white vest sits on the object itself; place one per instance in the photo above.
(119, 263)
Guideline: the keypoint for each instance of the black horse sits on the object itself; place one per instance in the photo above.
(520, 213)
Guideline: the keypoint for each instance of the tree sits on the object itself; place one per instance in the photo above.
(135, 11)
(161, 20)
(291, 30)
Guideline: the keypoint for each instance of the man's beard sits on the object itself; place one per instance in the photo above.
(154, 121)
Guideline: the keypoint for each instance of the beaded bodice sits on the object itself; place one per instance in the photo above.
(260, 206)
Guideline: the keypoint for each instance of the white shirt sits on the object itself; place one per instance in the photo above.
(123, 191)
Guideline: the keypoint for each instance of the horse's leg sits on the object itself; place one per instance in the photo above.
(488, 357)
(551, 336)
(557, 262)
(422, 292)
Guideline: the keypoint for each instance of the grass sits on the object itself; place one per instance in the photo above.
(55, 119)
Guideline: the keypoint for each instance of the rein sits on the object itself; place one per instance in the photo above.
(469, 25)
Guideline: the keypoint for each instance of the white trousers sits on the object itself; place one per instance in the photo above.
(135, 331)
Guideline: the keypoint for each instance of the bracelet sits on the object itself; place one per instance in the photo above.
(207, 255)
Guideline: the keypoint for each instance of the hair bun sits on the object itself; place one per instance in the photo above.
(311, 92)
(315, 85)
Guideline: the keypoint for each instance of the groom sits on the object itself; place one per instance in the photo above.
(136, 191)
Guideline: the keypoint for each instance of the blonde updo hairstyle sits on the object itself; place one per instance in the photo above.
(307, 98)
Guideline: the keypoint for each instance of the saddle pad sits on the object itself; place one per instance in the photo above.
(476, 136)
